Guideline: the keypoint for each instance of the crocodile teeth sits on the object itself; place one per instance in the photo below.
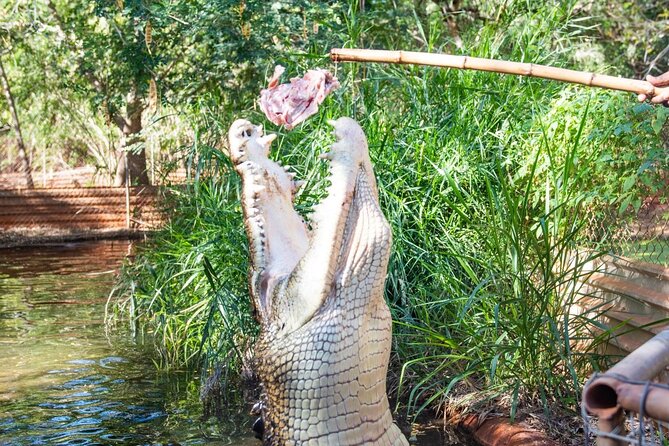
(267, 140)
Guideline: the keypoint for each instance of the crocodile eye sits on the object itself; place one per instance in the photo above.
(244, 132)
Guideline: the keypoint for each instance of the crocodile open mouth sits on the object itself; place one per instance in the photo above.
(282, 245)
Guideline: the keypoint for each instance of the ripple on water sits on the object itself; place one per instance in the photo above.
(78, 395)
(75, 405)
(146, 417)
(82, 361)
(109, 361)
(117, 438)
(68, 440)
(65, 382)
(50, 405)
(88, 410)
(84, 381)
(60, 419)
(110, 414)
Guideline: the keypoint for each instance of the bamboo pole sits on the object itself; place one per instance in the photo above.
(496, 66)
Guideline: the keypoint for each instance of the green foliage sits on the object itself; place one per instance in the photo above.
(629, 35)
(188, 284)
(488, 181)
(84, 67)
(484, 180)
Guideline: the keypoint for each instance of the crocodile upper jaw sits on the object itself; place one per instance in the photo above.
(293, 268)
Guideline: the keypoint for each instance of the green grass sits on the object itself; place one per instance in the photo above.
(488, 182)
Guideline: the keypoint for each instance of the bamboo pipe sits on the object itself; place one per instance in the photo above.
(607, 394)
(497, 66)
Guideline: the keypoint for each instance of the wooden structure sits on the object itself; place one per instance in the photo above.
(26, 213)
(635, 296)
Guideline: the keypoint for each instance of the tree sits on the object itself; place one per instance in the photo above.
(110, 48)
(120, 57)
(125, 50)
(12, 29)
(23, 156)
(61, 103)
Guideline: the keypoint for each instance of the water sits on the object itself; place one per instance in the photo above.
(67, 380)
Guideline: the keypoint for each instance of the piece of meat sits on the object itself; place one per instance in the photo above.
(290, 104)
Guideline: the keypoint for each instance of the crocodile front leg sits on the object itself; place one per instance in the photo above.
(325, 336)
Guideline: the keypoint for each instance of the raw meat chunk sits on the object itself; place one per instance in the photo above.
(290, 104)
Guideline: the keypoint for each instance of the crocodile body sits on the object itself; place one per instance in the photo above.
(324, 347)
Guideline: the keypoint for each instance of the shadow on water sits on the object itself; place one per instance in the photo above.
(66, 380)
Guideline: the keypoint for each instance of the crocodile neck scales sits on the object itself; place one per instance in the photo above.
(325, 340)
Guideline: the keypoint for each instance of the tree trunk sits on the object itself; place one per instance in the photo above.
(131, 166)
(23, 156)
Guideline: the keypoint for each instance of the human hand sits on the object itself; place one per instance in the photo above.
(659, 81)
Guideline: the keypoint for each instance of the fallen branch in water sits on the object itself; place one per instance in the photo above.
(497, 66)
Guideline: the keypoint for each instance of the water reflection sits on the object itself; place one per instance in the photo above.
(64, 380)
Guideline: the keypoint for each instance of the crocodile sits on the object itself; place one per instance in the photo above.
(317, 292)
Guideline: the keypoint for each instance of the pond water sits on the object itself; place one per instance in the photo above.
(65, 379)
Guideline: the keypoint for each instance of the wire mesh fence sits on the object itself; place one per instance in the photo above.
(635, 431)
(639, 233)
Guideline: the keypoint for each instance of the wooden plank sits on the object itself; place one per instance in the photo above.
(79, 209)
(616, 285)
